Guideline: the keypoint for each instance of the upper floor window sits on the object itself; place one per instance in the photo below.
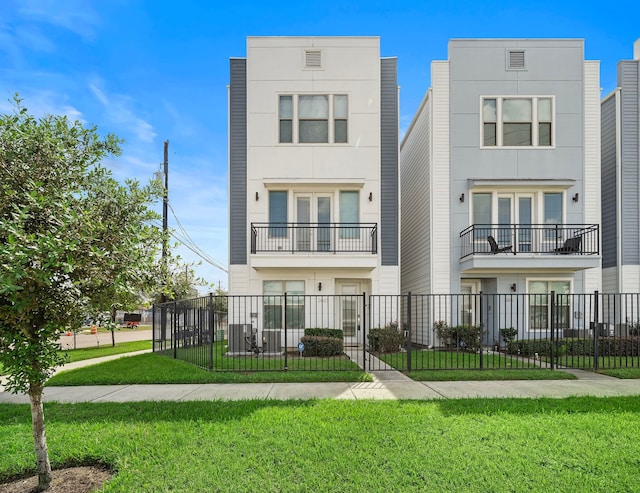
(313, 119)
(517, 122)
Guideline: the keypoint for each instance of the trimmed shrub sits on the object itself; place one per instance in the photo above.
(530, 347)
(324, 332)
(462, 337)
(508, 334)
(607, 346)
(322, 346)
(386, 340)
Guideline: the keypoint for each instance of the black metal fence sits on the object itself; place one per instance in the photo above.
(403, 332)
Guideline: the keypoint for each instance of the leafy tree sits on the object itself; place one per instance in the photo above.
(181, 281)
(73, 241)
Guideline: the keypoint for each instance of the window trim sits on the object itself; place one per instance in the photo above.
(295, 119)
(535, 122)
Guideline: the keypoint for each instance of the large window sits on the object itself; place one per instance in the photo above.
(274, 300)
(313, 118)
(277, 214)
(517, 122)
(540, 313)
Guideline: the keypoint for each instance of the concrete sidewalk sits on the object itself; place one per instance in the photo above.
(386, 385)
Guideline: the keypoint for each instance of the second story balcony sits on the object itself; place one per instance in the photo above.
(314, 238)
(527, 246)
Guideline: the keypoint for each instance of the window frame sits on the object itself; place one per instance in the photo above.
(535, 122)
(272, 304)
(548, 281)
(330, 119)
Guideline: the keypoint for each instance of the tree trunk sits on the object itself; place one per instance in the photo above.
(40, 438)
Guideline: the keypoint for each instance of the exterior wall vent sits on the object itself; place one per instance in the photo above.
(515, 60)
(313, 59)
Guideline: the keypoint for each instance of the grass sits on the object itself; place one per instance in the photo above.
(448, 360)
(98, 352)
(627, 373)
(200, 355)
(581, 444)
(155, 369)
(488, 374)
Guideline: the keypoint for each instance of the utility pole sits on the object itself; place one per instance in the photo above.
(165, 224)
(165, 240)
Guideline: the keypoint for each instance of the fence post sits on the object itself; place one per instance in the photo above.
(409, 331)
(173, 331)
(596, 330)
(481, 327)
(364, 331)
(212, 324)
(553, 327)
(286, 360)
(153, 328)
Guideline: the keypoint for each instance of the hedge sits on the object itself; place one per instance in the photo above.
(322, 346)
(324, 332)
(386, 340)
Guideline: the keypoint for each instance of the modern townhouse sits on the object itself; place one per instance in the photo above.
(621, 180)
(313, 181)
(500, 181)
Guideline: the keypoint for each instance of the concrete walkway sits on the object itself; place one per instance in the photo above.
(385, 385)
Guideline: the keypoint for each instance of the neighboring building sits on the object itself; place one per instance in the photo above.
(506, 144)
(621, 180)
(313, 174)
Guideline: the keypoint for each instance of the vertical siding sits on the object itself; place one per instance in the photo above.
(238, 226)
(609, 187)
(442, 262)
(389, 213)
(628, 81)
(415, 225)
(592, 156)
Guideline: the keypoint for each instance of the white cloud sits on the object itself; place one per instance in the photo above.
(43, 102)
(119, 112)
(74, 15)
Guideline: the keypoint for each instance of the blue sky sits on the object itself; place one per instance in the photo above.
(151, 71)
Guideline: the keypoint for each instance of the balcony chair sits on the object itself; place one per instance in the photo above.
(496, 249)
(571, 245)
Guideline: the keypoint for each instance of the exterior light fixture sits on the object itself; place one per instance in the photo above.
(319, 286)
(513, 287)
(461, 197)
(576, 197)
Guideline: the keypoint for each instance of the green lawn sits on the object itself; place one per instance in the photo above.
(98, 352)
(202, 356)
(488, 374)
(622, 372)
(430, 359)
(581, 444)
(152, 368)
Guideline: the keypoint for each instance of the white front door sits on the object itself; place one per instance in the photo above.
(469, 303)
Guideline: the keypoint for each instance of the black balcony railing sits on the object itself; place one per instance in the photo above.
(543, 239)
(314, 237)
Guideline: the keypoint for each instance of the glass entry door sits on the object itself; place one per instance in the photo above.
(313, 223)
(349, 316)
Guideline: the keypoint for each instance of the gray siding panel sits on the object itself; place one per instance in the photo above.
(389, 212)
(609, 185)
(628, 81)
(238, 226)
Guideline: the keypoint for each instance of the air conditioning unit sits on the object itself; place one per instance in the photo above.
(272, 341)
(239, 337)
